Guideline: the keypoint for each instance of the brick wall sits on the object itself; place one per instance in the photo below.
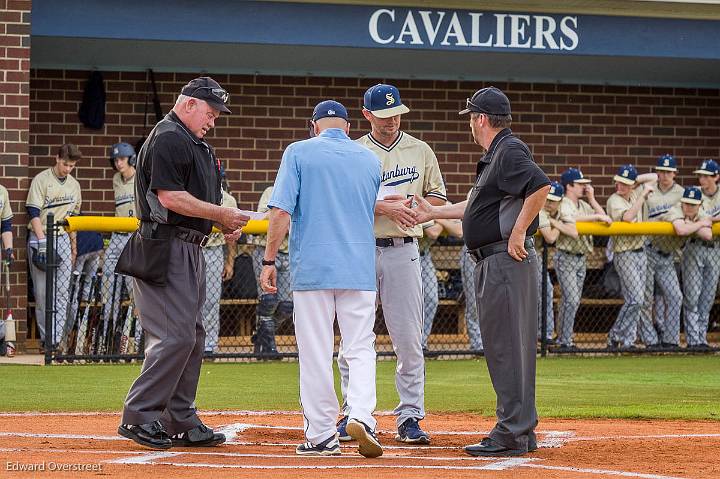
(594, 127)
(14, 134)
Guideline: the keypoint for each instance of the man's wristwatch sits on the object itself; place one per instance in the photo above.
(268, 262)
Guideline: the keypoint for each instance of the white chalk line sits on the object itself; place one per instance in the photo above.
(605, 472)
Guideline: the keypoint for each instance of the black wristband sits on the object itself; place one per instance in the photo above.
(267, 262)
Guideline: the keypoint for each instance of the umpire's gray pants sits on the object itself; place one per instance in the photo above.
(700, 270)
(467, 273)
(549, 314)
(400, 293)
(174, 340)
(62, 288)
(430, 295)
(570, 271)
(661, 271)
(214, 263)
(507, 291)
(631, 267)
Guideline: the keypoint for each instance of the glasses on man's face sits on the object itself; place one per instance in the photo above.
(220, 93)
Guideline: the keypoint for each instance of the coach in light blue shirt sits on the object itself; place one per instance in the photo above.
(327, 187)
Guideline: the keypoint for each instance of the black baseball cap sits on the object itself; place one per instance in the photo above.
(207, 89)
(490, 101)
(329, 109)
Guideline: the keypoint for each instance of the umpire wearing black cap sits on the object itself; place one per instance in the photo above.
(177, 193)
(499, 221)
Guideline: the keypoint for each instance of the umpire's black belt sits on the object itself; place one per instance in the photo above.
(385, 242)
(495, 248)
(162, 231)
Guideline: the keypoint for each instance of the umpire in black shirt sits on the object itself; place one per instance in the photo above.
(177, 191)
(499, 221)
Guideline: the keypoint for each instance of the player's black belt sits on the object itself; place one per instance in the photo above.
(495, 248)
(579, 255)
(385, 242)
(162, 231)
(659, 251)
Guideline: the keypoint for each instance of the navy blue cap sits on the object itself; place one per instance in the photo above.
(627, 174)
(708, 167)
(572, 175)
(490, 100)
(666, 162)
(692, 195)
(329, 109)
(383, 101)
(556, 191)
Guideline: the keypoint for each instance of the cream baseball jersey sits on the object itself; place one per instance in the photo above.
(48, 193)
(124, 195)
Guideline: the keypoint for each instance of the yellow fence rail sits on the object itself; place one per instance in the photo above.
(108, 224)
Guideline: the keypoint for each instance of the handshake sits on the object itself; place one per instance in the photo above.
(405, 212)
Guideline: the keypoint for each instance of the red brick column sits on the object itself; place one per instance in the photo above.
(14, 135)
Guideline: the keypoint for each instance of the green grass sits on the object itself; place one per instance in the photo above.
(670, 387)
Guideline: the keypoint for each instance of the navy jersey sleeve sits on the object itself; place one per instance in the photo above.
(519, 175)
(171, 164)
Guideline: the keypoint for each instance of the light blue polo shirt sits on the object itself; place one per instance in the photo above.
(328, 185)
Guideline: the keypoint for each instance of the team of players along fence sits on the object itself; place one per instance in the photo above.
(664, 301)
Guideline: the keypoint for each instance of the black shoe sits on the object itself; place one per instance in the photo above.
(200, 436)
(665, 345)
(613, 345)
(488, 447)
(150, 435)
(699, 347)
(654, 347)
(566, 348)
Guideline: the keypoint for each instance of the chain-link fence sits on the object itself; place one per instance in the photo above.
(657, 296)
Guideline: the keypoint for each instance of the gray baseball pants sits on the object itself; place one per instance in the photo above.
(400, 293)
(661, 271)
(174, 341)
(430, 295)
(62, 288)
(214, 263)
(700, 270)
(472, 324)
(550, 314)
(507, 290)
(631, 267)
(570, 271)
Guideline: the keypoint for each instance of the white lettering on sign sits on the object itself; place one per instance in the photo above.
(473, 29)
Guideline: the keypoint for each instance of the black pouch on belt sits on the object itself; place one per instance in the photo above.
(146, 259)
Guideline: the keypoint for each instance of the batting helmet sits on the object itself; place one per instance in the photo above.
(120, 150)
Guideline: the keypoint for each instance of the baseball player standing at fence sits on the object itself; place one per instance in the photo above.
(219, 266)
(572, 250)
(123, 161)
(273, 309)
(660, 252)
(701, 263)
(333, 273)
(409, 167)
(548, 224)
(177, 192)
(688, 219)
(499, 222)
(6, 233)
(53, 190)
(627, 204)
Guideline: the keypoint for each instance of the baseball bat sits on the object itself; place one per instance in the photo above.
(126, 330)
(108, 323)
(9, 322)
(83, 324)
(69, 315)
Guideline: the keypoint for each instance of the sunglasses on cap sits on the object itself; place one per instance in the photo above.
(469, 104)
(219, 93)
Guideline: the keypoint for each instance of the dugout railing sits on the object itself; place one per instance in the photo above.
(99, 322)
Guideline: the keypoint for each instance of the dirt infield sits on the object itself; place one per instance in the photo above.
(262, 444)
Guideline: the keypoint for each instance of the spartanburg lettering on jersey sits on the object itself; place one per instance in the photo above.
(398, 175)
(473, 29)
(660, 202)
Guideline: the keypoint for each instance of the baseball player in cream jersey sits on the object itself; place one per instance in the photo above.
(53, 190)
(660, 252)
(123, 161)
(6, 216)
(630, 260)
(701, 263)
(219, 265)
(550, 234)
(409, 167)
(572, 250)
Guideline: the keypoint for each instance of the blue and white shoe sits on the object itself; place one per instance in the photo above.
(368, 444)
(410, 432)
(343, 436)
(329, 447)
